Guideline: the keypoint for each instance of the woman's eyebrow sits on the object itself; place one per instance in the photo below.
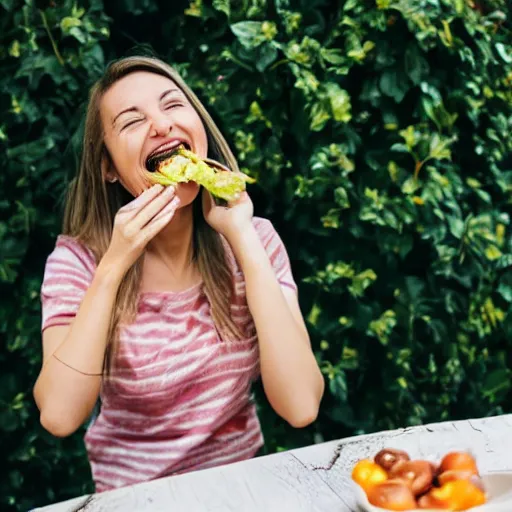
(167, 93)
(125, 111)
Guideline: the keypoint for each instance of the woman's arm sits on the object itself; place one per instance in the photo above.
(69, 382)
(291, 378)
(66, 395)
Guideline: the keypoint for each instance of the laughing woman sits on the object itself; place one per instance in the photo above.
(161, 304)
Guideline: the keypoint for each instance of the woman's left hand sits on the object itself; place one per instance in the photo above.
(230, 220)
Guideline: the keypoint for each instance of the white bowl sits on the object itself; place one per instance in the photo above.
(499, 495)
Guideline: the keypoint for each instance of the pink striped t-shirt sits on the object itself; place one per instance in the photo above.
(179, 398)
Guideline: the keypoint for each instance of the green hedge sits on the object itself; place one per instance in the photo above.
(379, 133)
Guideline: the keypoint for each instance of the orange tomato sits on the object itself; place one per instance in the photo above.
(454, 474)
(367, 474)
(456, 495)
(392, 495)
(458, 461)
(416, 473)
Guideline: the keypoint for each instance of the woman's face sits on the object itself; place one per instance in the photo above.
(143, 114)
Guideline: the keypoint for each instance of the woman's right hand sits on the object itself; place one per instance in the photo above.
(136, 224)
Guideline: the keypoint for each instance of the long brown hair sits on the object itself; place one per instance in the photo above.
(92, 204)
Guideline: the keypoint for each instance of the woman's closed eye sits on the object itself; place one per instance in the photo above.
(168, 106)
(172, 104)
(131, 122)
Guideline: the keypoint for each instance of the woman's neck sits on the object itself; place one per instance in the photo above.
(174, 244)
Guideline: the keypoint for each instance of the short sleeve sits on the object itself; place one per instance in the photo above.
(276, 252)
(68, 273)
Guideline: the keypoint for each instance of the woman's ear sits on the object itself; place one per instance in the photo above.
(107, 168)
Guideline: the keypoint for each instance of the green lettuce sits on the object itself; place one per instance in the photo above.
(185, 166)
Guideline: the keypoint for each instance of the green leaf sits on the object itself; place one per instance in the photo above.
(340, 102)
(361, 282)
(492, 253)
(314, 314)
(195, 9)
(383, 326)
(505, 52)
(16, 479)
(415, 288)
(319, 116)
(393, 83)
(332, 56)
(484, 196)
(223, 6)
(249, 33)
(9, 420)
(473, 183)
(267, 54)
(498, 381)
(349, 359)
(14, 49)
(8, 5)
(416, 66)
(78, 34)
(68, 23)
(409, 136)
(456, 226)
(338, 386)
(401, 148)
(505, 290)
(341, 198)
(410, 185)
(436, 111)
(439, 148)
(31, 152)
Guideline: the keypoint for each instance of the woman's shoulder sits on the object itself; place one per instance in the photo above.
(264, 227)
(269, 238)
(68, 272)
(268, 235)
(73, 251)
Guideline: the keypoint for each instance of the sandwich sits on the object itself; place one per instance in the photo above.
(183, 166)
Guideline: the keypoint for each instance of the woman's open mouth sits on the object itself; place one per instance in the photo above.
(163, 153)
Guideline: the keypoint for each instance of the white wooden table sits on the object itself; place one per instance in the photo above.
(316, 478)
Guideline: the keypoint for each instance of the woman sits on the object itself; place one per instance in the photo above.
(165, 307)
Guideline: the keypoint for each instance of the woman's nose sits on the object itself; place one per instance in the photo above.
(160, 126)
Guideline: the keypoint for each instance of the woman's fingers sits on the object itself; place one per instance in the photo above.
(130, 210)
(239, 199)
(153, 208)
(132, 218)
(167, 209)
(161, 220)
(208, 202)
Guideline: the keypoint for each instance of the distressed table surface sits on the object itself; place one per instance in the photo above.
(316, 478)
